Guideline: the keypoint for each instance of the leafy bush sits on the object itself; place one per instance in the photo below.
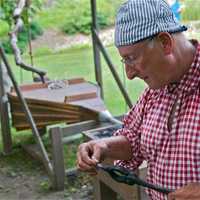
(35, 30)
(7, 47)
(75, 16)
(82, 23)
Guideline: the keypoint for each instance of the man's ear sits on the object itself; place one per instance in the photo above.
(166, 41)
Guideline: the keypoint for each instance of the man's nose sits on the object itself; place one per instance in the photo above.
(131, 71)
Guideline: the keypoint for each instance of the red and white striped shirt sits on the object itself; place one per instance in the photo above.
(173, 155)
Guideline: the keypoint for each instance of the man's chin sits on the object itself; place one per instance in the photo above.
(155, 86)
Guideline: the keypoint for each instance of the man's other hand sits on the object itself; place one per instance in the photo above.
(188, 192)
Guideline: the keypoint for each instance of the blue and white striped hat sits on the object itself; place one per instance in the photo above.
(139, 19)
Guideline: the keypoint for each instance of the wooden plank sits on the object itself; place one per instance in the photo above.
(79, 97)
(44, 108)
(96, 52)
(79, 127)
(44, 103)
(35, 86)
(5, 127)
(4, 116)
(23, 126)
(76, 81)
(71, 138)
(20, 122)
(55, 99)
(57, 158)
(102, 191)
(32, 86)
(22, 116)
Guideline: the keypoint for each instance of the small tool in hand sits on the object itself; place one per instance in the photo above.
(123, 175)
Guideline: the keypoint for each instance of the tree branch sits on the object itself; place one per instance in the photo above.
(13, 39)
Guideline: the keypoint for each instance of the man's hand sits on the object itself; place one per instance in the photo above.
(89, 154)
(95, 151)
(188, 192)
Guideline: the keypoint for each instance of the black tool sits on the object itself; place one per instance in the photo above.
(126, 176)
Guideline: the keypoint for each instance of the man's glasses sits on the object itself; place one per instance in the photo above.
(129, 60)
(132, 60)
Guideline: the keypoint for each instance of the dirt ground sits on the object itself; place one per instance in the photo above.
(26, 179)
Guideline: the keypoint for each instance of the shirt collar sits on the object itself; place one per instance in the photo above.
(191, 79)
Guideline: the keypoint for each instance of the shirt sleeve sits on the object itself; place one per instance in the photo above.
(131, 130)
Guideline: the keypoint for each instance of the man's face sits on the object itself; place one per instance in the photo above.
(147, 61)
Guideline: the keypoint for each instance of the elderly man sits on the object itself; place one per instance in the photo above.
(163, 127)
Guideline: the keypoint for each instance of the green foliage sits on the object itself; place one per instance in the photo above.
(7, 47)
(78, 20)
(191, 10)
(35, 30)
(69, 16)
(23, 37)
(7, 7)
(45, 186)
(6, 10)
(75, 16)
(82, 23)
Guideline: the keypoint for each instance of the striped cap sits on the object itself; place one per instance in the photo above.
(139, 19)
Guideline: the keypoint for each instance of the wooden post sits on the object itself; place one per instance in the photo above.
(57, 158)
(5, 125)
(112, 69)
(102, 191)
(97, 61)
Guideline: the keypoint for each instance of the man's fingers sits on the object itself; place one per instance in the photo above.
(82, 166)
(85, 161)
(171, 196)
(96, 155)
